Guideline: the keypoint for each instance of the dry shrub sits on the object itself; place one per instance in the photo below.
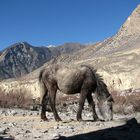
(19, 99)
(67, 99)
(126, 102)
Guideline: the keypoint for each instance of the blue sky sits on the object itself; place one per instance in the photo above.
(45, 22)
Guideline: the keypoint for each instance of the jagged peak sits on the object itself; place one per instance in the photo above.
(137, 8)
(25, 43)
(132, 24)
(21, 43)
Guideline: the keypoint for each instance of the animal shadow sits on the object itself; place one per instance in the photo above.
(2, 138)
(129, 131)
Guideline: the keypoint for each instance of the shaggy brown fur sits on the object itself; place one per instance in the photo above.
(72, 80)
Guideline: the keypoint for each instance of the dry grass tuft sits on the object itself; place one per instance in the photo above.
(20, 100)
(126, 102)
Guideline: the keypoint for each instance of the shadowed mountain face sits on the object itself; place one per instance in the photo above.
(22, 58)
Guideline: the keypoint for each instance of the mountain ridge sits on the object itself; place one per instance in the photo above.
(22, 58)
(116, 59)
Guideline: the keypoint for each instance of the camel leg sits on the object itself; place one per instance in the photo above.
(92, 105)
(83, 96)
(52, 94)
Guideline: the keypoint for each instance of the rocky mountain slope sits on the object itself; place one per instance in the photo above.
(22, 58)
(67, 48)
(116, 59)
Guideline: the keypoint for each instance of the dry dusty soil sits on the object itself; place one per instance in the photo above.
(18, 124)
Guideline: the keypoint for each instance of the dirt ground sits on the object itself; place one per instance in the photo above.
(20, 124)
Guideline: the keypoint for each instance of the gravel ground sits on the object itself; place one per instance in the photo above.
(19, 124)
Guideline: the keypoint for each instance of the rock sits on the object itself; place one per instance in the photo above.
(129, 109)
(3, 131)
(35, 113)
(88, 114)
(30, 114)
(37, 135)
(56, 127)
(70, 127)
(64, 105)
(27, 131)
(12, 112)
(12, 124)
(98, 124)
(24, 114)
(3, 112)
(46, 131)
(4, 122)
(56, 136)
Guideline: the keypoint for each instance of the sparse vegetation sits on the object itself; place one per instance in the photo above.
(20, 100)
(126, 102)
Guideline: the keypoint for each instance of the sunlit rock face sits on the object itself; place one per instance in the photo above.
(116, 58)
(131, 25)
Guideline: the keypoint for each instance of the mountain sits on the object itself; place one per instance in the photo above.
(67, 48)
(127, 35)
(22, 58)
(116, 59)
(131, 25)
(126, 39)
